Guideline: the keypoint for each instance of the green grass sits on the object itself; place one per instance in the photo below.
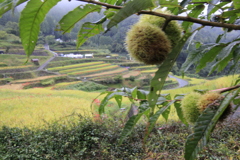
(15, 67)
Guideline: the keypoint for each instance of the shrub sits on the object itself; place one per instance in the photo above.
(84, 86)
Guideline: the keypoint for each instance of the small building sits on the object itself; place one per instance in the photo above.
(59, 40)
(89, 55)
(35, 61)
(72, 55)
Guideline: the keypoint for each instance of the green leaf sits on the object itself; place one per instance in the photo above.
(106, 99)
(71, 18)
(196, 55)
(225, 55)
(209, 56)
(109, 1)
(88, 30)
(153, 119)
(163, 70)
(131, 124)
(118, 99)
(237, 81)
(205, 125)
(177, 105)
(211, 6)
(110, 12)
(6, 5)
(102, 93)
(184, 3)
(131, 7)
(169, 3)
(31, 18)
(194, 13)
(198, 44)
(231, 13)
(236, 4)
(220, 37)
(134, 92)
(217, 7)
(204, 1)
(191, 39)
(141, 94)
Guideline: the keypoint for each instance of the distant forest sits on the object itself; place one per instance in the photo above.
(113, 40)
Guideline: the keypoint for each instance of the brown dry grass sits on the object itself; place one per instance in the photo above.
(131, 73)
(12, 86)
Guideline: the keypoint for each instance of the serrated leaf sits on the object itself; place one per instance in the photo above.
(110, 12)
(194, 13)
(141, 94)
(169, 3)
(209, 56)
(211, 6)
(191, 39)
(184, 3)
(6, 5)
(158, 80)
(106, 99)
(31, 18)
(118, 99)
(204, 126)
(109, 1)
(220, 37)
(178, 108)
(71, 18)
(102, 93)
(231, 13)
(177, 105)
(225, 55)
(153, 119)
(88, 30)
(130, 8)
(196, 55)
(134, 92)
(131, 124)
(217, 7)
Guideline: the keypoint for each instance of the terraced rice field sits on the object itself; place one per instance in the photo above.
(90, 69)
(83, 68)
(106, 73)
(74, 66)
(94, 70)
(150, 71)
(144, 67)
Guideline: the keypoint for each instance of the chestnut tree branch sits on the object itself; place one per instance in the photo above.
(171, 17)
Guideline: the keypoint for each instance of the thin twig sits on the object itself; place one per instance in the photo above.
(229, 88)
(171, 17)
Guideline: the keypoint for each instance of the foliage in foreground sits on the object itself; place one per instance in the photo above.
(87, 140)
